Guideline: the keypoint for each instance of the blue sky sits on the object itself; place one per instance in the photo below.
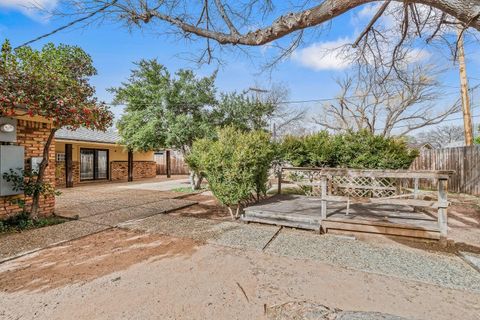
(309, 74)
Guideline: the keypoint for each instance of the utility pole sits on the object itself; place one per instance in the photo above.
(467, 116)
(257, 93)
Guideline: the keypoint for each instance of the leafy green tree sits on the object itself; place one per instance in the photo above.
(52, 83)
(243, 111)
(165, 111)
(236, 165)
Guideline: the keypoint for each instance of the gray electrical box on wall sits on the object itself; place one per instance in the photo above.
(8, 129)
(11, 157)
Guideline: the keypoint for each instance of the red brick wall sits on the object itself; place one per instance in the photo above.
(60, 178)
(141, 169)
(33, 135)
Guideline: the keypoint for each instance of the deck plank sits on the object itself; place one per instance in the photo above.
(384, 218)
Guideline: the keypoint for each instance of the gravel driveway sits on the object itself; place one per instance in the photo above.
(97, 207)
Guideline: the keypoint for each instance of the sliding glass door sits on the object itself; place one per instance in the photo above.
(93, 164)
(102, 164)
(87, 171)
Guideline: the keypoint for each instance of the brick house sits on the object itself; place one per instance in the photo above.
(29, 135)
(97, 156)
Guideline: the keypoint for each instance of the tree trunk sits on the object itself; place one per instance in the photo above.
(237, 211)
(195, 180)
(231, 213)
(41, 174)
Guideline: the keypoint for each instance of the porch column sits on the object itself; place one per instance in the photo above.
(168, 164)
(130, 165)
(68, 166)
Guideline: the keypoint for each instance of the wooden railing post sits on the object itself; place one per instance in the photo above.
(415, 188)
(279, 182)
(442, 207)
(323, 186)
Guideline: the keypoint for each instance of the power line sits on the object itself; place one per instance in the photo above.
(446, 120)
(68, 25)
(279, 102)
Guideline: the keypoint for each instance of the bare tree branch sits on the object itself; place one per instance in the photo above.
(391, 107)
(372, 22)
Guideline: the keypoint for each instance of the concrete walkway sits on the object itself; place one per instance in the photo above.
(160, 186)
(96, 207)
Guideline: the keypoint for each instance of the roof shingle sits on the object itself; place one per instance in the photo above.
(83, 134)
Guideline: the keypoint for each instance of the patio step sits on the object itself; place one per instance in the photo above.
(355, 226)
(291, 220)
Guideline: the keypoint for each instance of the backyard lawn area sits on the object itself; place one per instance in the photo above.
(140, 251)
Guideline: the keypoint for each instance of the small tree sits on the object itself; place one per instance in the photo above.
(52, 83)
(236, 165)
(243, 111)
(165, 111)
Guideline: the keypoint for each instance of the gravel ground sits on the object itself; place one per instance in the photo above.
(472, 259)
(115, 217)
(182, 227)
(313, 311)
(442, 269)
(226, 233)
(18, 243)
(89, 205)
(246, 236)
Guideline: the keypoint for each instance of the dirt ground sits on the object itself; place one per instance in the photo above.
(120, 274)
(464, 222)
(207, 208)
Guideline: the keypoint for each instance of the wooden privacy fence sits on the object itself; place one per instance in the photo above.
(465, 161)
(177, 163)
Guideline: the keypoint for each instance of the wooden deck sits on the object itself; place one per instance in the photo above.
(382, 218)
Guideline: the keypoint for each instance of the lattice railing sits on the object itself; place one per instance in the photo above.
(342, 184)
(363, 187)
(357, 187)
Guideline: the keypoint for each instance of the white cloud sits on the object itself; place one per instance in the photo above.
(416, 55)
(327, 55)
(369, 10)
(36, 9)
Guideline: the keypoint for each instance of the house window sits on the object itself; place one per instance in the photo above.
(60, 157)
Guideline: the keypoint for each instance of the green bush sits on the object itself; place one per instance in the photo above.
(361, 150)
(23, 221)
(236, 165)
